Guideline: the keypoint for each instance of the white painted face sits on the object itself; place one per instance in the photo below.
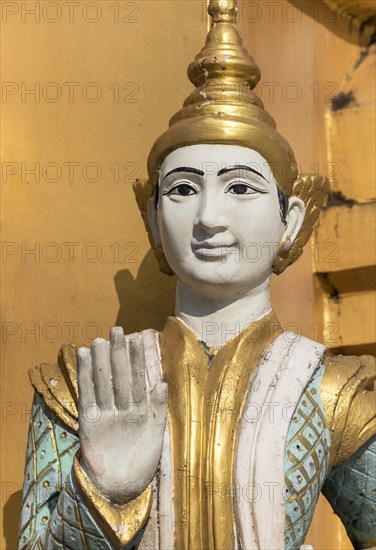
(219, 218)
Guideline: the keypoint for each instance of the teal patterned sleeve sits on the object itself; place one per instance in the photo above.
(351, 491)
(54, 515)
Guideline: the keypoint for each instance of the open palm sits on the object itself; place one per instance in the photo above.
(122, 412)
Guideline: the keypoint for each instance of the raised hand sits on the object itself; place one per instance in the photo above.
(122, 412)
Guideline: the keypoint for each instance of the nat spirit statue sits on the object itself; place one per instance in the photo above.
(195, 437)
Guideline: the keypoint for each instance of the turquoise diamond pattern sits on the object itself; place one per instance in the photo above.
(53, 514)
(50, 451)
(72, 526)
(351, 490)
(306, 463)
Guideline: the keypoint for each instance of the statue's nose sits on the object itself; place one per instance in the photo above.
(211, 214)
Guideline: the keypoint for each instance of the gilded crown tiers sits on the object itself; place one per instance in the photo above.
(223, 108)
(223, 58)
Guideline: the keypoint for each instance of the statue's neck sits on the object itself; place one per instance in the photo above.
(215, 321)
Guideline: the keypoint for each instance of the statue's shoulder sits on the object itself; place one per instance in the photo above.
(57, 385)
(341, 369)
(349, 395)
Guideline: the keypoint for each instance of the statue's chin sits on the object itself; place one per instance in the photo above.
(231, 270)
(223, 286)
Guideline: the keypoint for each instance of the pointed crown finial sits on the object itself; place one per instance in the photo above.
(223, 10)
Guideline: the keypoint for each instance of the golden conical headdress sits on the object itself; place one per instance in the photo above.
(224, 109)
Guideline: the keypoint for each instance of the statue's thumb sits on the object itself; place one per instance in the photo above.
(159, 394)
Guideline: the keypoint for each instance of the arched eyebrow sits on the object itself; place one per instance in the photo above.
(185, 169)
(240, 167)
(189, 170)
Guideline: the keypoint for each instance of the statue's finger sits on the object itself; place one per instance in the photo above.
(153, 368)
(85, 380)
(137, 360)
(158, 402)
(100, 358)
(120, 367)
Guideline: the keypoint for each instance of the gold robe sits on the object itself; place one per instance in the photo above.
(207, 392)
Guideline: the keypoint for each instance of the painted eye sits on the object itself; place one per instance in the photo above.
(183, 189)
(241, 189)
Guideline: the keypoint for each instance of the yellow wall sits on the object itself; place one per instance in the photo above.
(140, 49)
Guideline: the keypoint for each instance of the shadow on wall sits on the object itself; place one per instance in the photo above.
(147, 300)
(11, 516)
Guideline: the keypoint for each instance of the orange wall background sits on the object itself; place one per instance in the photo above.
(106, 77)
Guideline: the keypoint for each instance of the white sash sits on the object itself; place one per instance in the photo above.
(279, 382)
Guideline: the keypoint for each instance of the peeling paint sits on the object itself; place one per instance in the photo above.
(335, 296)
(343, 100)
(337, 198)
(363, 55)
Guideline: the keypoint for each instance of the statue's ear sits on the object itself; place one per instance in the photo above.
(294, 218)
(153, 224)
(311, 190)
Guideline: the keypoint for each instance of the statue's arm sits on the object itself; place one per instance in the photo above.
(60, 508)
(349, 396)
(351, 491)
